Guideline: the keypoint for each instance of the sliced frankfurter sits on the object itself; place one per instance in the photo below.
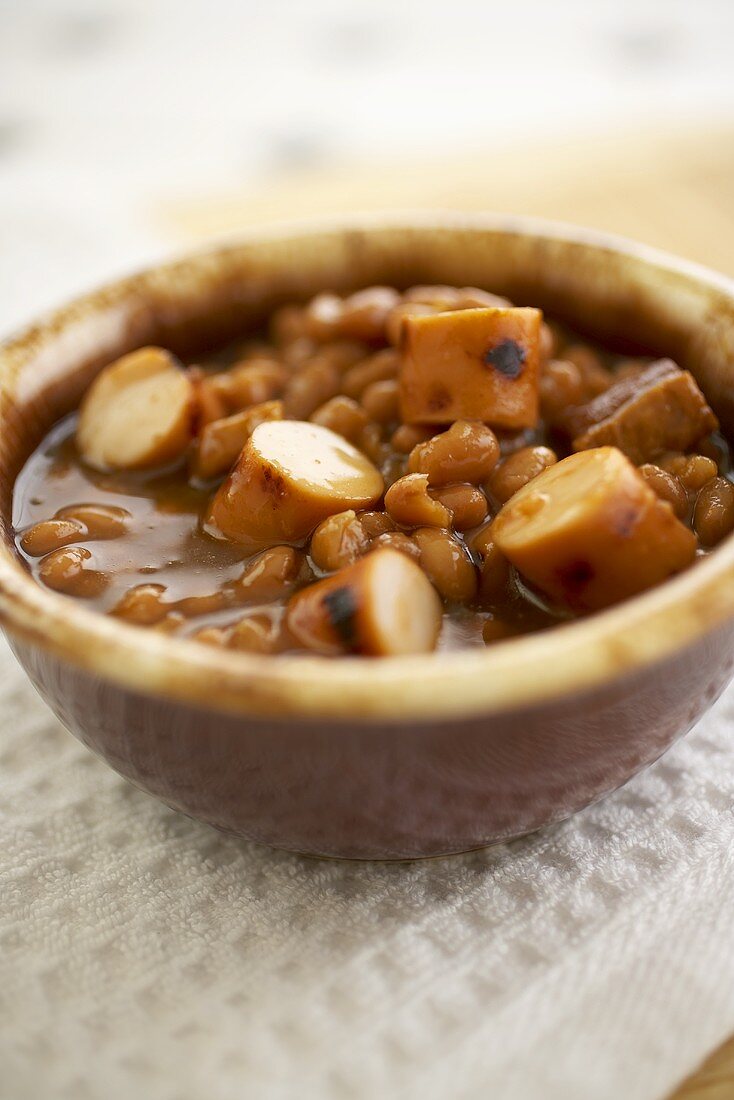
(471, 364)
(589, 532)
(382, 605)
(138, 413)
(290, 476)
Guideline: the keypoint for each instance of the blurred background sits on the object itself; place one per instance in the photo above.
(133, 128)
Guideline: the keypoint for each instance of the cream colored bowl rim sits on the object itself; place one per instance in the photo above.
(509, 675)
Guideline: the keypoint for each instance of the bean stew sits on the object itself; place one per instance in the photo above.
(386, 473)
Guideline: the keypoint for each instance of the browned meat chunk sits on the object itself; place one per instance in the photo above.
(661, 410)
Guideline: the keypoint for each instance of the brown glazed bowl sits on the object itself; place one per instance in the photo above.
(403, 757)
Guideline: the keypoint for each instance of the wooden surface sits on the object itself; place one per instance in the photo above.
(668, 189)
(673, 191)
(714, 1080)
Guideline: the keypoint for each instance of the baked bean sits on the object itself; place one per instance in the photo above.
(398, 540)
(596, 380)
(468, 451)
(517, 470)
(392, 467)
(396, 317)
(344, 416)
(511, 442)
(69, 570)
(191, 606)
(251, 382)
(145, 604)
(494, 578)
(629, 368)
(667, 460)
(213, 635)
(102, 521)
(298, 353)
(438, 297)
(713, 515)
(170, 624)
(221, 441)
(259, 633)
(287, 324)
(408, 503)
(322, 317)
(447, 564)
(380, 401)
(671, 461)
(375, 523)
(380, 367)
(344, 354)
(693, 470)
(270, 575)
(561, 387)
(361, 316)
(466, 503)
(444, 298)
(407, 436)
(338, 541)
(315, 383)
(547, 343)
(365, 313)
(557, 335)
(595, 376)
(208, 401)
(373, 445)
(667, 486)
(51, 534)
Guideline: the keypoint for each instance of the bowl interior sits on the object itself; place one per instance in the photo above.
(626, 296)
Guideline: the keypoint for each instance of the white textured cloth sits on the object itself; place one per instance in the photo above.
(143, 954)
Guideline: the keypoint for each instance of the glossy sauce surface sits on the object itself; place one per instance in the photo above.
(164, 542)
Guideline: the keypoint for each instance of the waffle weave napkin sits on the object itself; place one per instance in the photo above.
(145, 955)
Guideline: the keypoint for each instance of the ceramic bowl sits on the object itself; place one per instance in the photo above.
(405, 757)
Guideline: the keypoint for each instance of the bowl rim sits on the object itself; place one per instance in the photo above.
(515, 674)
